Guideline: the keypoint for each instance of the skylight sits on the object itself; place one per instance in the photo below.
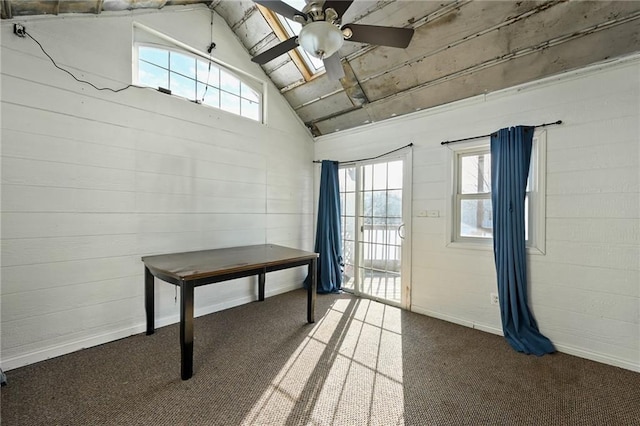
(284, 28)
(293, 28)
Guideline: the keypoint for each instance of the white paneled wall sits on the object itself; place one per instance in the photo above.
(585, 291)
(93, 180)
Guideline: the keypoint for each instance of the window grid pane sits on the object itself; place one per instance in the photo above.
(475, 173)
(476, 218)
(229, 102)
(209, 95)
(346, 177)
(152, 75)
(248, 93)
(187, 76)
(182, 64)
(473, 206)
(182, 86)
(152, 55)
(250, 109)
(229, 83)
(208, 73)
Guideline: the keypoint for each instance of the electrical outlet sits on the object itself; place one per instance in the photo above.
(19, 30)
(494, 298)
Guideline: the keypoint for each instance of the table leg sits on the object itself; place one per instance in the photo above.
(149, 306)
(311, 290)
(261, 277)
(186, 329)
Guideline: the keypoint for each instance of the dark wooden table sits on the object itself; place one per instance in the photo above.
(192, 269)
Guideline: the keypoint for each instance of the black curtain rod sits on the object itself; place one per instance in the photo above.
(491, 134)
(367, 159)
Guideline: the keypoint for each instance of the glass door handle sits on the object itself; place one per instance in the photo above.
(401, 231)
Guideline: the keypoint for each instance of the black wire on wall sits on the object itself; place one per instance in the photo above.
(76, 78)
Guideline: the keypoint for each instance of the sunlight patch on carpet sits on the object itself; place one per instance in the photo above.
(348, 370)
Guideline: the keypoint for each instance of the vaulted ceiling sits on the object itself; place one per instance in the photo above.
(460, 48)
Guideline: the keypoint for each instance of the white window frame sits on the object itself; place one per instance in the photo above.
(536, 242)
(167, 43)
(459, 196)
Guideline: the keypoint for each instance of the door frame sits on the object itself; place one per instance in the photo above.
(407, 197)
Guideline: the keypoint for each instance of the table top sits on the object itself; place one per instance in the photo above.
(209, 263)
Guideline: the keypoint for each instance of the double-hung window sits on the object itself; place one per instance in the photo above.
(472, 215)
(473, 195)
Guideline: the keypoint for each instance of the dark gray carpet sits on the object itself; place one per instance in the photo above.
(361, 363)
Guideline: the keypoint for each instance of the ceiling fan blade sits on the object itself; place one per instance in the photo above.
(333, 66)
(281, 8)
(340, 6)
(276, 51)
(382, 36)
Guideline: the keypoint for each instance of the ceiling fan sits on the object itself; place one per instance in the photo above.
(323, 34)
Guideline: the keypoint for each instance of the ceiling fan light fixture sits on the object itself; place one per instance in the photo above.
(320, 39)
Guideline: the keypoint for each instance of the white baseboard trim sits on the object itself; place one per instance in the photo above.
(68, 347)
(100, 339)
(569, 350)
(456, 320)
(73, 346)
(593, 356)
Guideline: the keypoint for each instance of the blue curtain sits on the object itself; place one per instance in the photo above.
(510, 157)
(329, 231)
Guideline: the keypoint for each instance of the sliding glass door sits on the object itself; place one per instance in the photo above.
(375, 211)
